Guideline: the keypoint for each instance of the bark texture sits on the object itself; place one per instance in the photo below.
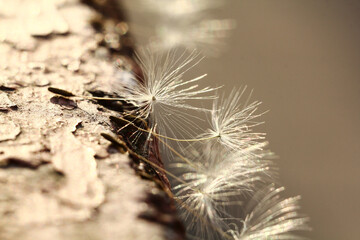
(59, 178)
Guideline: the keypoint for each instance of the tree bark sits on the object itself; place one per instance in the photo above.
(59, 178)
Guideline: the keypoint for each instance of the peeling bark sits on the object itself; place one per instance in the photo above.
(59, 178)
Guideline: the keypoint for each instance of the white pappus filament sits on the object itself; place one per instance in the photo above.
(232, 122)
(271, 217)
(162, 96)
(213, 179)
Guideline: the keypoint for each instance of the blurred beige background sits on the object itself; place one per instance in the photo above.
(302, 58)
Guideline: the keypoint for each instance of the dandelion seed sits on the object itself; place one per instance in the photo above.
(232, 122)
(207, 35)
(163, 96)
(214, 180)
(271, 217)
(179, 8)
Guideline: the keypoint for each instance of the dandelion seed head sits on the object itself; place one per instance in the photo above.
(231, 122)
(213, 180)
(163, 96)
(207, 35)
(176, 9)
(271, 217)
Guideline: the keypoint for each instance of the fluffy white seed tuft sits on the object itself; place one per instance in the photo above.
(207, 35)
(272, 218)
(179, 9)
(232, 122)
(162, 95)
(214, 179)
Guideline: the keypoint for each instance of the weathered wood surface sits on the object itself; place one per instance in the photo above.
(59, 179)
